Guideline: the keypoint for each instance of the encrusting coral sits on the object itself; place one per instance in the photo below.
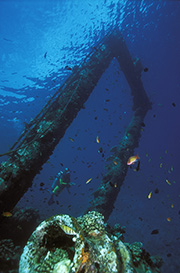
(63, 244)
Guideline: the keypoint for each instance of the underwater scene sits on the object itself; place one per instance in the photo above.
(90, 136)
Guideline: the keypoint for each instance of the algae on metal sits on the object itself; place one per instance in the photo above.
(63, 244)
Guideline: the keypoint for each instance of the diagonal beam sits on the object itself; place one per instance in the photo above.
(105, 196)
(37, 143)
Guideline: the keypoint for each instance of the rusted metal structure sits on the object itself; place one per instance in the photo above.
(38, 141)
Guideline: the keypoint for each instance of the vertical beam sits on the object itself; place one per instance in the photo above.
(105, 196)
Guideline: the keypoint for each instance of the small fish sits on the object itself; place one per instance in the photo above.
(95, 48)
(138, 167)
(100, 150)
(89, 180)
(115, 162)
(68, 230)
(169, 219)
(172, 206)
(149, 195)
(97, 139)
(167, 181)
(156, 190)
(160, 165)
(143, 124)
(155, 231)
(8, 40)
(70, 138)
(67, 67)
(132, 159)
(7, 214)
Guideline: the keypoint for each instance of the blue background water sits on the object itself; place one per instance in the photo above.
(67, 31)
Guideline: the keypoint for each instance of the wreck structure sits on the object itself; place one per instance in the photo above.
(63, 244)
(42, 134)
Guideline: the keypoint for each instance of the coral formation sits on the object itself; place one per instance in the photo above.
(14, 233)
(20, 226)
(93, 221)
(9, 255)
(83, 245)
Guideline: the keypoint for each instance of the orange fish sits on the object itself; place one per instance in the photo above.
(7, 214)
(133, 159)
(115, 162)
(97, 139)
(169, 219)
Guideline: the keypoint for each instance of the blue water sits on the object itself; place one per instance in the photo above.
(37, 40)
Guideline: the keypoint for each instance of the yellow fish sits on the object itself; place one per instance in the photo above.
(149, 195)
(167, 181)
(68, 230)
(89, 180)
(97, 139)
(132, 159)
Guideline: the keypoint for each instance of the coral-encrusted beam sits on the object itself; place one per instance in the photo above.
(43, 134)
(105, 196)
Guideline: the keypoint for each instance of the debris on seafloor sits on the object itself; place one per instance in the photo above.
(91, 246)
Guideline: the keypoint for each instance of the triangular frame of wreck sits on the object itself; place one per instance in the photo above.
(38, 141)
